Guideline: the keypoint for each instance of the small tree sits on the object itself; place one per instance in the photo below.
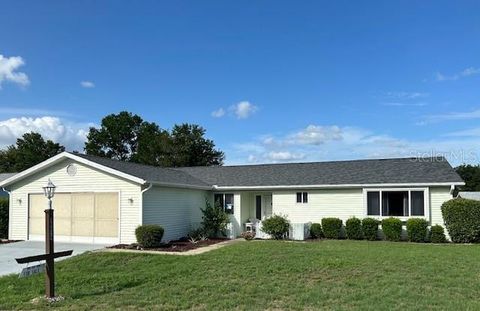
(214, 219)
(4, 218)
(276, 226)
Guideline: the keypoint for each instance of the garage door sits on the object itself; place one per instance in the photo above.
(79, 217)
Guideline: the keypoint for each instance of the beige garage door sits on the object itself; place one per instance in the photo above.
(78, 216)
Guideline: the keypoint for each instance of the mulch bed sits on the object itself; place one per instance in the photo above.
(172, 246)
(2, 241)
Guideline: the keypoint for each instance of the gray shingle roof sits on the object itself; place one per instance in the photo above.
(379, 171)
(147, 172)
(472, 195)
(4, 176)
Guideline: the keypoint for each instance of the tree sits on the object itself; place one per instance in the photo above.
(191, 148)
(471, 175)
(28, 151)
(128, 137)
(117, 137)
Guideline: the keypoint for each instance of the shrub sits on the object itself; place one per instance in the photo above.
(462, 220)
(437, 235)
(4, 218)
(214, 219)
(332, 227)
(248, 235)
(196, 235)
(149, 236)
(392, 229)
(417, 230)
(316, 231)
(353, 228)
(276, 226)
(370, 228)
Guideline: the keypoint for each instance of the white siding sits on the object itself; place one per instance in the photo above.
(341, 203)
(176, 210)
(87, 179)
(438, 195)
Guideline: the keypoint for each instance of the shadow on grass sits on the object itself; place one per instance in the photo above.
(107, 289)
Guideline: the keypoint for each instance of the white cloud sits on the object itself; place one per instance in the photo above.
(8, 70)
(243, 109)
(284, 156)
(470, 71)
(218, 113)
(87, 84)
(406, 95)
(71, 135)
(343, 143)
(451, 116)
(400, 104)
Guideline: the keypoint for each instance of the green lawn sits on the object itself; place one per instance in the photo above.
(260, 275)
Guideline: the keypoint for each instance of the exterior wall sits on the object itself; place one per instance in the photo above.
(341, 203)
(438, 195)
(87, 179)
(176, 210)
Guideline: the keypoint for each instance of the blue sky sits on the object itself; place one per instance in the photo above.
(271, 81)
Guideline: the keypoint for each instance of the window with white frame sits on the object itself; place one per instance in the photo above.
(302, 197)
(225, 200)
(396, 203)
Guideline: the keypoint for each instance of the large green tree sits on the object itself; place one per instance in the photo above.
(126, 136)
(28, 151)
(471, 175)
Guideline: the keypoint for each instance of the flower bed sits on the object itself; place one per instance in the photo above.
(172, 246)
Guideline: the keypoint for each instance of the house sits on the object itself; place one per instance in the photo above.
(100, 200)
(472, 195)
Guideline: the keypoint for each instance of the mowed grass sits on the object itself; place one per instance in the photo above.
(259, 275)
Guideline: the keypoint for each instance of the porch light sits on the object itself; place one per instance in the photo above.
(49, 190)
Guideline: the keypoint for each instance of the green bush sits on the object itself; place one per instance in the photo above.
(4, 218)
(316, 231)
(276, 226)
(214, 219)
(392, 229)
(437, 234)
(332, 227)
(462, 220)
(370, 228)
(417, 230)
(149, 236)
(353, 228)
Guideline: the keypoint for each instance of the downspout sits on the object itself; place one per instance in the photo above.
(452, 189)
(150, 185)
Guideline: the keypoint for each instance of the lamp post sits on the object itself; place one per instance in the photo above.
(49, 191)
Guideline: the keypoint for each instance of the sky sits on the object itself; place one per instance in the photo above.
(270, 81)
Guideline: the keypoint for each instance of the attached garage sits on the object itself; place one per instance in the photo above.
(79, 217)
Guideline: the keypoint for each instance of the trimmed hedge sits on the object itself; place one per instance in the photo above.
(316, 231)
(149, 236)
(276, 226)
(370, 228)
(332, 227)
(392, 229)
(417, 230)
(353, 228)
(462, 219)
(4, 218)
(437, 234)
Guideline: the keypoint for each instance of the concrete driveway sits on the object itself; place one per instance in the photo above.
(8, 253)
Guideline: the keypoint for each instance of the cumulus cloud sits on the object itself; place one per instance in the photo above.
(218, 113)
(340, 143)
(87, 84)
(71, 135)
(243, 109)
(9, 71)
(470, 71)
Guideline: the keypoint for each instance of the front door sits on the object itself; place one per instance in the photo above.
(258, 207)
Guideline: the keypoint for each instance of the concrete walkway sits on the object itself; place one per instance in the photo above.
(8, 253)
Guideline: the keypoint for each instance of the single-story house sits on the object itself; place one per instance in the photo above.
(471, 195)
(101, 200)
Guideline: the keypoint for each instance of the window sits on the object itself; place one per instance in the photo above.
(225, 200)
(396, 203)
(302, 197)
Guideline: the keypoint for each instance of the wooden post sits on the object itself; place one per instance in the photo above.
(49, 251)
